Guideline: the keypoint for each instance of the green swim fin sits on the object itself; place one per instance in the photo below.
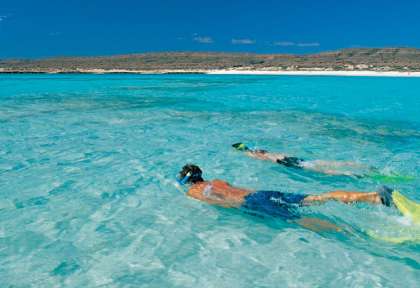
(395, 178)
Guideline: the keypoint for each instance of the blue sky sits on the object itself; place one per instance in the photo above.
(40, 28)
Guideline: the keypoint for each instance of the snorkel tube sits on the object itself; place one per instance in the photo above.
(184, 180)
(180, 183)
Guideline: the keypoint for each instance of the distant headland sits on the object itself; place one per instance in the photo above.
(352, 61)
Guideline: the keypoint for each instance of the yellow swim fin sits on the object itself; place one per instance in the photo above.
(406, 206)
(395, 239)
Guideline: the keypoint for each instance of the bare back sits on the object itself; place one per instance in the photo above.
(218, 192)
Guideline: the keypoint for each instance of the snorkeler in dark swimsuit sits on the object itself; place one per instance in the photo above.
(321, 166)
(272, 203)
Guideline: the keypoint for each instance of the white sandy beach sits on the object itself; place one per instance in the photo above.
(229, 72)
(315, 73)
(262, 72)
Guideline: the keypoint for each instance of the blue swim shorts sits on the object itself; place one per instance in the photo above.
(274, 203)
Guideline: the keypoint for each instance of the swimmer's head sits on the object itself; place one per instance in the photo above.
(240, 146)
(190, 174)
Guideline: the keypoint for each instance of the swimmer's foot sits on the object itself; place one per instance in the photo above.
(385, 194)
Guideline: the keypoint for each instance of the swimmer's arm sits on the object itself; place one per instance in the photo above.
(218, 202)
(273, 157)
(318, 225)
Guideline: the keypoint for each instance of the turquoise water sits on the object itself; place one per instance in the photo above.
(87, 166)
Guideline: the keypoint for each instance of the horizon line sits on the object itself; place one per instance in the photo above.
(202, 52)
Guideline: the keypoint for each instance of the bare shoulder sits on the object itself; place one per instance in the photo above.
(195, 190)
(219, 182)
(221, 185)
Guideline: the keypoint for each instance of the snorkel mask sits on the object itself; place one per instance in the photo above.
(190, 174)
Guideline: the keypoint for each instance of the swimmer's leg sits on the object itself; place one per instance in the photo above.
(333, 167)
(338, 164)
(344, 197)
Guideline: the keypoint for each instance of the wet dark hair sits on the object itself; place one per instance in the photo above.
(195, 172)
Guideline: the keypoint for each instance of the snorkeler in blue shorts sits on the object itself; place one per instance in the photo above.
(272, 203)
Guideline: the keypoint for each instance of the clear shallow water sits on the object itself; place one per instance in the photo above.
(87, 166)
